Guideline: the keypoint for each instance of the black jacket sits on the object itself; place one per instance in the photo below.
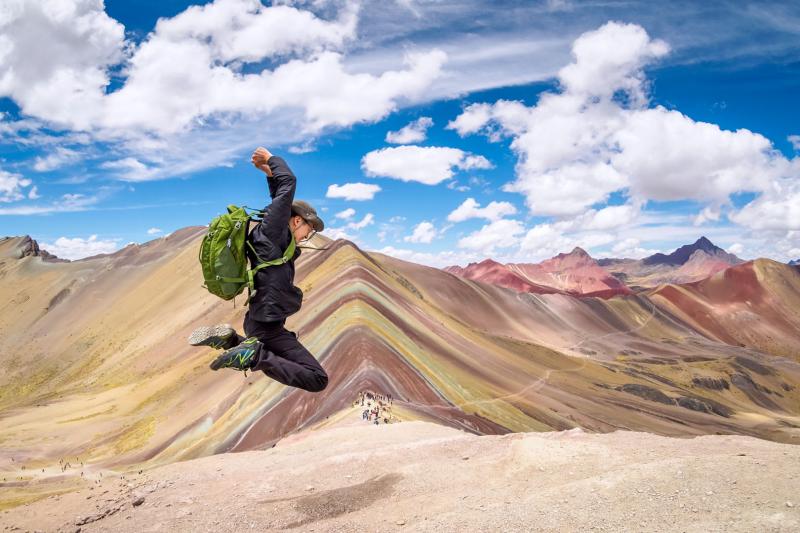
(276, 297)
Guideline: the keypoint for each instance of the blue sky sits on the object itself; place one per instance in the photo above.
(621, 127)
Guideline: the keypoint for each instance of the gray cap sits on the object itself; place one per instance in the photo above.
(304, 209)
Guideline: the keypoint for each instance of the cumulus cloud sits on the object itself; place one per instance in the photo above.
(363, 223)
(425, 164)
(607, 218)
(197, 79)
(78, 248)
(424, 232)
(795, 140)
(498, 234)
(11, 186)
(708, 214)
(343, 233)
(353, 191)
(597, 135)
(414, 132)
(776, 209)
(547, 240)
(131, 169)
(471, 209)
(433, 259)
(631, 248)
(338, 233)
(54, 58)
(736, 248)
(154, 231)
(347, 213)
(55, 160)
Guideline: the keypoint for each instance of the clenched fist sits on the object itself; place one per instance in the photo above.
(260, 158)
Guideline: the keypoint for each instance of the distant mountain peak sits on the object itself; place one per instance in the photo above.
(30, 247)
(578, 251)
(684, 253)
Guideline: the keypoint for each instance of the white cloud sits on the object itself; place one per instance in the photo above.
(363, 223)
(55, 160)
(630, 248)
(795, 140)
(454, 185)
(11, 186)
(338, 233)
(547, 240)
(471, 209)
(131, 169)
(154, 231)
(597, 136)
(611, 59)
(436, 260)
(414, 132)
(424, 232)
(607, 218)
(708, 214)
(776, 209)
(303, 148)
(736, 248)
(67, 203)
(347, 213)
(425, 164)
(498, 234)
(353, 191)
(77, 248)
(33, 194)
(54, 57)
(208, 77)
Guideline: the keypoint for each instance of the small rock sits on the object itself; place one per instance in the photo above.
(309, 488)
(465, 457)
(401, 522)
(709, 492)
(789, 504)
(138, 501)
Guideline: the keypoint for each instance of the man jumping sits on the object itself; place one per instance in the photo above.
(268, 345)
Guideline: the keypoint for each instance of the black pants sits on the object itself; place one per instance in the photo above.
(283, 358)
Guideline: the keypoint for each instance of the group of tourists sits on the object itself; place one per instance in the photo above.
(378, 407)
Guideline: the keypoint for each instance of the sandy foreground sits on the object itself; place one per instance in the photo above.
(418, 476)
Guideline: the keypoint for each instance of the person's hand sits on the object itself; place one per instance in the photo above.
(260, 158)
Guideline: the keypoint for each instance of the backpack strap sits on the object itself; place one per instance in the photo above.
(251, 284)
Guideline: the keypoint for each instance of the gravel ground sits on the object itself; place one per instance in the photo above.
(416, 476)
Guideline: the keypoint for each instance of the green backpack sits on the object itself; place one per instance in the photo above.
(223, 258)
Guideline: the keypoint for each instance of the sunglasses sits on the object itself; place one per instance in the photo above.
(311, 233)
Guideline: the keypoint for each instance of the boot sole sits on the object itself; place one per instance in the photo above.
(211, 335)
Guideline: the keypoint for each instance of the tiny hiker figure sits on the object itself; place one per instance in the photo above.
(268, 345)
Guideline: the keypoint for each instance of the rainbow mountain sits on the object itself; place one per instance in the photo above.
(94, 362)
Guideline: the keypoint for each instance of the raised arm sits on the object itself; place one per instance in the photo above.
(282, 186)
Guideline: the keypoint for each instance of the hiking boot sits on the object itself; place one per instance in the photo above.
(221, 336)
(241, 357)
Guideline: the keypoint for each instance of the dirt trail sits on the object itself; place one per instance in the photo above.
(416, 476)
